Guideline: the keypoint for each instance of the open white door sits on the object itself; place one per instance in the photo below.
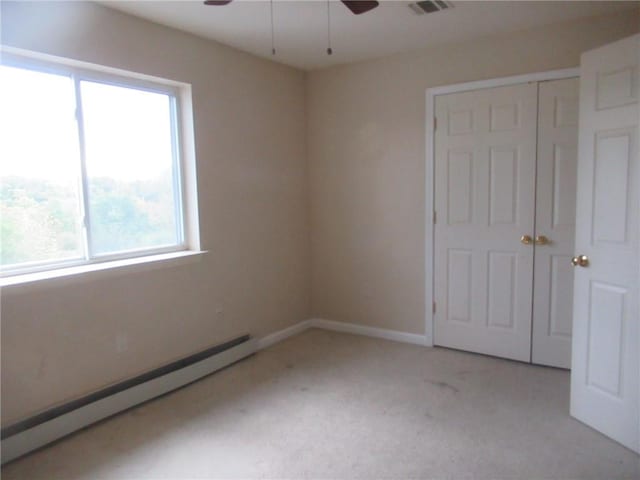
(605, 378)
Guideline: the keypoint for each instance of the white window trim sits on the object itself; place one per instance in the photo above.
(186, 180)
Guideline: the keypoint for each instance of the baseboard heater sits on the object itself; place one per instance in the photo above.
(55, 423)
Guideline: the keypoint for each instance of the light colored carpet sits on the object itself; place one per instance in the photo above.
(331, 405)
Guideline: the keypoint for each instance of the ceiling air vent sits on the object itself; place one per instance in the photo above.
(430, 6)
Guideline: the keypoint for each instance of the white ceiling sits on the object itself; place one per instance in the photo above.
(301, 26)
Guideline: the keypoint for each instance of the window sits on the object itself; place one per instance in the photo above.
(91, 167)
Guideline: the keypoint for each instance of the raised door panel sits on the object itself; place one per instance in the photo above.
(560, 314)
(501, 290)
(616, 87)
(611, 164)
(563, 182)
(460, 186)
(503, 185)
(459, 274)
(605, 329)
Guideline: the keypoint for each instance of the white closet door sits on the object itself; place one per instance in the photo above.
(555, 222)
(606, 337)
(485, 154)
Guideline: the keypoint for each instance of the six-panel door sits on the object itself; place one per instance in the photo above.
(606, 331)
(485, 161)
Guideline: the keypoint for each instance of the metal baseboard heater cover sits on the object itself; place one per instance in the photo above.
(55, 423)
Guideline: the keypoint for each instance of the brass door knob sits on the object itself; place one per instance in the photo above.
(580, 261)
(526, 239)
(542, 240)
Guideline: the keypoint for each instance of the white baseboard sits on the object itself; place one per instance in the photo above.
(353, 328)
(23, 442)
(281, 335)
(375, 332)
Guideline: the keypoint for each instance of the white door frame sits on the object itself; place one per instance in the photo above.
(431, 95)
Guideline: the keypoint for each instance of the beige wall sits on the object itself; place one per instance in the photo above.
(63, 339)
(366, 143)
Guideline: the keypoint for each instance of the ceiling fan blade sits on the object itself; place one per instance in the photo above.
(360, 6)
(217, 2)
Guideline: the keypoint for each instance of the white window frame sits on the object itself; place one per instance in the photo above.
(184, 174)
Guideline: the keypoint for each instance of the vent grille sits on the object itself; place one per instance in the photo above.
(430, 6)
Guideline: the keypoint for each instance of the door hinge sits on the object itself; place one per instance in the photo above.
(433, 307)
(435, 124)
(434, 217)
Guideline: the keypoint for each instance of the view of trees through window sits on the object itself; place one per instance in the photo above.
(129, 174)
(39, 222)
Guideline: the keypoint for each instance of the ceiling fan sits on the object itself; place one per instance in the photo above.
(356, 6)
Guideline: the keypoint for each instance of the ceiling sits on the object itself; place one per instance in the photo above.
(301, 26)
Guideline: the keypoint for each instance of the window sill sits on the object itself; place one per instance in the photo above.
(128, 265)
